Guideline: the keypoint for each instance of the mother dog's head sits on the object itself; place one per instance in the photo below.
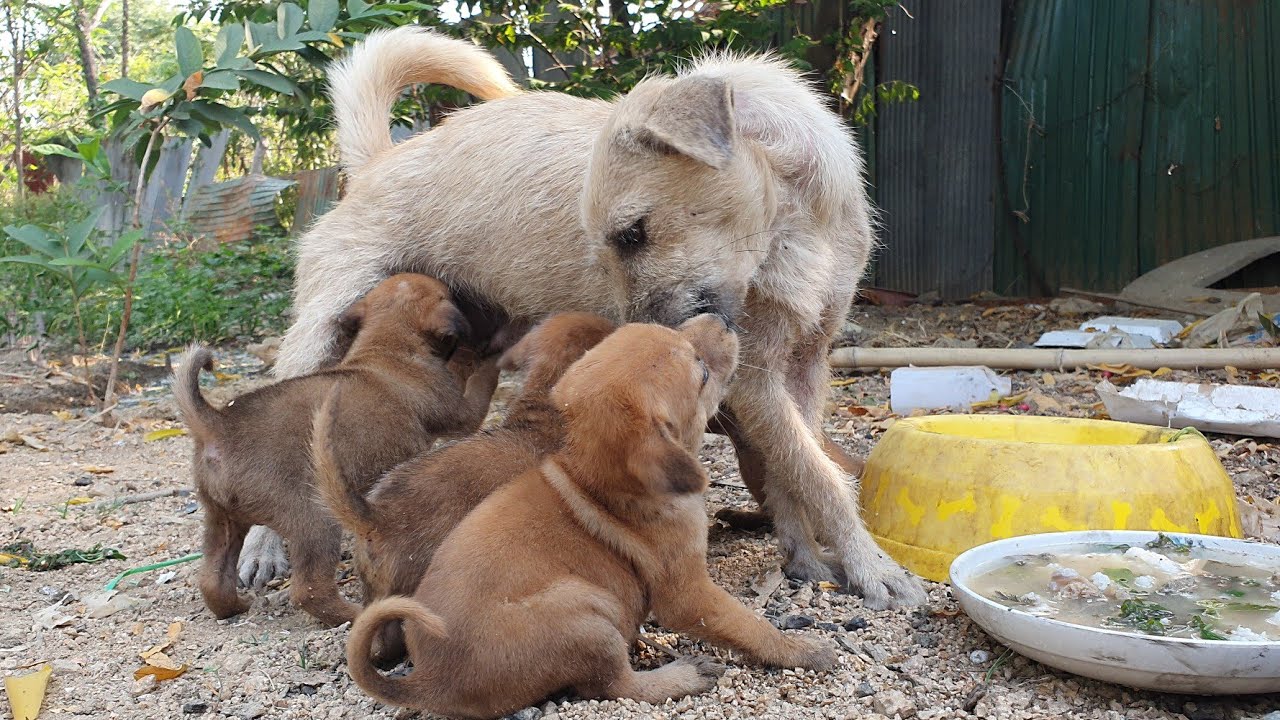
(676, 205)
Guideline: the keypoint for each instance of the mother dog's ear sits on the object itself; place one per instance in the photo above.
(693, 116)
(665, 466)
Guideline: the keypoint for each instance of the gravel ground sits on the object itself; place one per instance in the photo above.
(275, 662)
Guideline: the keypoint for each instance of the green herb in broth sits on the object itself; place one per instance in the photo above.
(1251, 607)
(1206, 630)
(1124, 576)
(1174, 544)
(1016, 600)
(1234, 593)
(1149, 617)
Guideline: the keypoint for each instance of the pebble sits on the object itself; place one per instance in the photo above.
(864, 689)
(251, 711)
(83, 481)
(830, 627)
(143, 686)
(195, 708)
(979, 657)
(894, 703)
(529, 713)
(856, 624)
(926, 639)
(796, 622)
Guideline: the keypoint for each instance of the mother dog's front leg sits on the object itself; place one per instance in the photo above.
(806, 491)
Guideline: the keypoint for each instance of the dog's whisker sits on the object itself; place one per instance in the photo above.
(756, 367)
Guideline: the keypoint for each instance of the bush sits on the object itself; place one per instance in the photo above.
(236, 291)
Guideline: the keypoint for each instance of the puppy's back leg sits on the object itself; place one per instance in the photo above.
(314, 588)
(689, 675)
(223, 538)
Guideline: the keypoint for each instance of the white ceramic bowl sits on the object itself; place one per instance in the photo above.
(1179, 665)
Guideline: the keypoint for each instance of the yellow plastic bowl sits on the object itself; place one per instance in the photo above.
(937, 486)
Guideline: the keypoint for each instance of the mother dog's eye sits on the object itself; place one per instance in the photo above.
(706, 374)
(631, 238)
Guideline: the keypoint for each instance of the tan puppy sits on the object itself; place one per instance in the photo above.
(399, 522)
(252, 463)
(544, 585)
(730, 188)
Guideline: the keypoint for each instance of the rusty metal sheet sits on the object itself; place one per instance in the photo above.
(318, 191)
(230, 211)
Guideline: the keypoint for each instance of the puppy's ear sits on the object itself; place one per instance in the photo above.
(449, 333)
(349, 326)
(517, 356)
(665, 466)
(693, 117)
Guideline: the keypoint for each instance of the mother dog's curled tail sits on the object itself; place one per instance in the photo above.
(416, 689)
(365, 84)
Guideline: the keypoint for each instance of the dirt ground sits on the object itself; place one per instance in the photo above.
(275, 662)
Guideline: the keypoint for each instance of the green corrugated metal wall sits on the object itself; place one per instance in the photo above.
(1133, 133)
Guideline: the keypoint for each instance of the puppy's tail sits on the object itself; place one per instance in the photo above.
(347, 504)
(415, 690)
(365, 84)
(201, 417)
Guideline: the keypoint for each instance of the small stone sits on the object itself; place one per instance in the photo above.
(830, 627)
(925, 639)
(864, 689)
(894, 703)
(856, 624)
(979, 657)
(529, 713)
(143, 686)
(195, 708)
(252, 711)
(84, 481)
(66, 667)
(796, 622)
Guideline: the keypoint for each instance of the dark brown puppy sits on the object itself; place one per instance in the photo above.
(252, 463)
(400, 522)
(544, 585)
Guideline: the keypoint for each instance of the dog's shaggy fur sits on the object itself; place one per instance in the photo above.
(402, 519)
(544, 585)
(729, 189)
(252, 460)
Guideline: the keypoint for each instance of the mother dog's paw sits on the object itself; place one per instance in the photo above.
(262, 559)
(883, 583)
(707, 669)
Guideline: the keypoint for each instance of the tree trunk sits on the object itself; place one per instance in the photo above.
(124, 38)
(83, 27)
(13, 23)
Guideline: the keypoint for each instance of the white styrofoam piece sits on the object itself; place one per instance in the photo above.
(1235, 409)
(1161, 331)
(934, 388)
(1180, 665)
(1082, 339)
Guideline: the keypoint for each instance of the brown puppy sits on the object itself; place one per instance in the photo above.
(400, 522)
(544, 585)
(252, 463)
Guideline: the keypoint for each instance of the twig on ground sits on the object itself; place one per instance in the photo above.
(140, 497)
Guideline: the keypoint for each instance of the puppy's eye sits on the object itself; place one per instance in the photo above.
(631, 238)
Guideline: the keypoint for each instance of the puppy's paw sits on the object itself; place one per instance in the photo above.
(262, 559)
(706, 672)
(811, 653)
(883, 583)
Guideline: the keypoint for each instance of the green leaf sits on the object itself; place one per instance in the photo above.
(55, 149)
(221, 80)
(322, 15)
(78, 233)
(289, 19)
(1120, 575)
(78, 263)
(272, 81)
(190, 54)
(116, 252)
(131, 89)
(311, 36)
(223, 115)
(227, 47)
(357, 8)
(27, 260)
(34, 238)
(173, 84)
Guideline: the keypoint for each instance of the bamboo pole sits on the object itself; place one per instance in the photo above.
(1050, 359)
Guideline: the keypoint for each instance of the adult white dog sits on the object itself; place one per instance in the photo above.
(729, 188)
